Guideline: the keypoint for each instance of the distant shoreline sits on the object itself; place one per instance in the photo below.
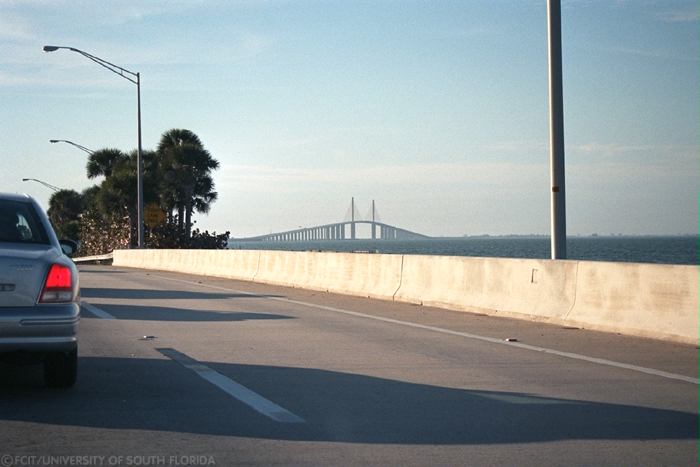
(510, 236)
(665, 249)
(578, 236)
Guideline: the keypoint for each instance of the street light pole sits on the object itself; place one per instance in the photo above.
(136, 79)
(79, 146)
(556, 132)
(139, 170)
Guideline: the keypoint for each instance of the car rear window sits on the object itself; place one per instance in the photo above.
(19, 223)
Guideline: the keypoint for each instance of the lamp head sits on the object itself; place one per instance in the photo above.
(50, 48)
(53, 141)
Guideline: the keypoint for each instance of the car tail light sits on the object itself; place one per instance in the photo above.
(58, 286)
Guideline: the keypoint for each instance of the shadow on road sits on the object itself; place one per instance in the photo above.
(162, 395)
(157, 313)
(147, 294)
(83, 270)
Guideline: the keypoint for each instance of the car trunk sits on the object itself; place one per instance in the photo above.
(22, 274)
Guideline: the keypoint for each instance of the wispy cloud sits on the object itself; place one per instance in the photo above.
(469, 32)
(688, 15)
(24, 63)
(127, 12)
(26, 25)
(267, 177)
(653, 179)
(657, 53)
(15, 27)
(630, 164)
(621, 149)
(609, 149)
(514, 147)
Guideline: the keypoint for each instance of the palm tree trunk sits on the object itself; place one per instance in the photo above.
(181, 220)
(133, 227)
(188, 220)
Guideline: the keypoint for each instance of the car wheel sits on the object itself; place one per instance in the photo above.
(61, 369)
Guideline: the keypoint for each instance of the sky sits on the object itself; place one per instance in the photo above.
(437, 110)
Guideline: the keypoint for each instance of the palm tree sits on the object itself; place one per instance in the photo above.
(104, 161)
(65, 207)
(101, 231)
(117, 193)
(187, 183)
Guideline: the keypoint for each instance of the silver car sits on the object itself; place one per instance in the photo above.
(39, 292)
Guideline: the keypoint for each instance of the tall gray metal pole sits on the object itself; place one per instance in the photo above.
(139, 171)
(556, 132)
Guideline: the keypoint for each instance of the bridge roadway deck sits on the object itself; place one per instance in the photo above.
(244, 373)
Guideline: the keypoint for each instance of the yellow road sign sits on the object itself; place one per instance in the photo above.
(153, 215)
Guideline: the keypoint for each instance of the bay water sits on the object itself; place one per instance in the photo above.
(641, 249)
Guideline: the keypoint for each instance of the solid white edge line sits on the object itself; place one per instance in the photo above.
(250, 398)
(492, 340)
(96, 311)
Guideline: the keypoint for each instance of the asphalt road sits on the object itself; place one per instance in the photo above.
(185, 370)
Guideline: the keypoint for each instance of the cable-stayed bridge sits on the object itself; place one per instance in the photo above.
(345, 230)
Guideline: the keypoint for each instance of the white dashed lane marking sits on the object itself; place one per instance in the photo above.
(234, 389)
(96, 311)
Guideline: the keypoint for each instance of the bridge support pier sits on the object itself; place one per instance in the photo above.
(388, 233)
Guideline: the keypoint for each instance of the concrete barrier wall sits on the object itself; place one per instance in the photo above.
(375, 276)
(658, 301)
(538, 289)
(231, 264)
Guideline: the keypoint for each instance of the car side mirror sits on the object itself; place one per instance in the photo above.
(69, 247)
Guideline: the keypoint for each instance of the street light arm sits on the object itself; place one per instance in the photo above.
(79, 146)
(116, 69)
(48, 185)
